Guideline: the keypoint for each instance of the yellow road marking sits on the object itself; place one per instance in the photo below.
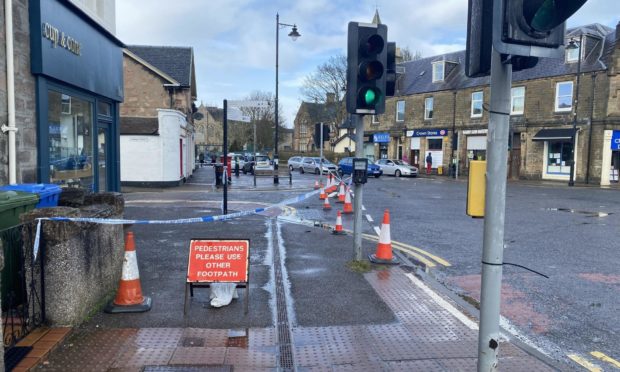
(414, 251)
(605, 358)
(585, 363)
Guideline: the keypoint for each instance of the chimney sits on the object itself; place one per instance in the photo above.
(330, 97)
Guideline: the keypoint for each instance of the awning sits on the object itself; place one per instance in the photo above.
(553, 134)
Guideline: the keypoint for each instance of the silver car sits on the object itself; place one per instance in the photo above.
(294, 162)
(313, 165)
(397, 168)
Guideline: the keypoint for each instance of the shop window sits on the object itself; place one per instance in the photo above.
(434, 144)
(559, 157)
(477, 99)
(104, 108)
(70, 121)
(428, 108)
(400, 111)
(517, 101)
(564, 96)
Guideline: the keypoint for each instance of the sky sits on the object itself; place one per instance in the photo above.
(234, 42)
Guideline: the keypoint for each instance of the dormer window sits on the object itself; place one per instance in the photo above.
(438, 71)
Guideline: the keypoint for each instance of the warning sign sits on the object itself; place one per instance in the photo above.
(218, 261)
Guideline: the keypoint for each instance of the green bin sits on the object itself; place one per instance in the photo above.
(12, 205)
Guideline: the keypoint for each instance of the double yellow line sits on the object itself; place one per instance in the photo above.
(591, 366)
(427, 258)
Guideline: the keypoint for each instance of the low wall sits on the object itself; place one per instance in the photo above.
(82, 261)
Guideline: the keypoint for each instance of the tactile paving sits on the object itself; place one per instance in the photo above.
(158, 337)
(141, 356)
(198, 355)
(251, 357)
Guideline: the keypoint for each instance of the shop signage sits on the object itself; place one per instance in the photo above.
(59, 38)
(218, 261)
(381, 138)
(427, 133)
(615, 140)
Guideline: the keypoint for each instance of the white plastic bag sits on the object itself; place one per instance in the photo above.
(222, 294)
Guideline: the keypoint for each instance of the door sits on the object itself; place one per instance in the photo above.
(414, 158)
(515, 163)
(103, 157)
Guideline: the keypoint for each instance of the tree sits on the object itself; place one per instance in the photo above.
(408, 56)
(264, 118)
(328, 80)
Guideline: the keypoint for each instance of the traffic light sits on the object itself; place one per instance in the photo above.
(317, 134)
(390, 77)
(366, 68)
(523, 28)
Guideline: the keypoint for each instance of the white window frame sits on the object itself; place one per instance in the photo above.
(557, 96)
(374, 119)
(437, 71)
(400, 110)
(573, 55)
(473, 101)
(512, 101)
(426, 108)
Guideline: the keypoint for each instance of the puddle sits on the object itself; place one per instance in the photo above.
(585, 213)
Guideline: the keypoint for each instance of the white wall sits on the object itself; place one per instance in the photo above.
(141, 158)
(171, 129)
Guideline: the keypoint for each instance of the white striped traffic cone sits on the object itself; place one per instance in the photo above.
(129, 297)
(338, 229)
(316, 185)
(341, 193)
(383, 254)
(322, 195)
(348, 206)
(326, 205)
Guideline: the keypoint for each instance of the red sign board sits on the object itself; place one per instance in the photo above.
(218, 261)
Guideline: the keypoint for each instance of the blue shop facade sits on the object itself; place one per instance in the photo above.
(78, 69)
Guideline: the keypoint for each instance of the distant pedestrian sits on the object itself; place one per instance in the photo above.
(429, 163)
(405, 158)
(201, 159)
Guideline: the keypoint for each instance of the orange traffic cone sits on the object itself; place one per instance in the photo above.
(316, 185)
(129, 297)
(341, 193)
(322, 195)
(384, 247)
(333, 185)
(348, 207)
(338, 230)
(326, 205)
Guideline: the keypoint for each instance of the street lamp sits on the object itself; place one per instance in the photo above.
(573, 45)
(294, 35)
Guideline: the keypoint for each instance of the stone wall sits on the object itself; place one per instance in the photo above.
(82, 261)
(26, 138)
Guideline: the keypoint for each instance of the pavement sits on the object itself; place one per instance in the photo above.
(309, 309)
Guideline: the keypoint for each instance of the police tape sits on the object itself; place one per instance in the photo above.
(111, 221)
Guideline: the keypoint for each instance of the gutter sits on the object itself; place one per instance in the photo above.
(10, 85)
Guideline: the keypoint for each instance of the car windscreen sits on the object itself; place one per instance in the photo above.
(399, 162)
(262, 158)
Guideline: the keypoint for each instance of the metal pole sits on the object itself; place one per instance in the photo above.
(571, 179)
(590, 125)
(254, 154)
(225, 175)
(321, 159)
(494, 214)
(275, 153)
(357, 207)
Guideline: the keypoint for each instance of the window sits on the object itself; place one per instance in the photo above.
(428, 108)
(104, 108)
(517, 100)
(559, 157)
(572, 54)
(434, 144)
(400, 111)
(564, 96)
(302, 147)
(476, 104)
(375, 120)
(438, 71)
(302, 130)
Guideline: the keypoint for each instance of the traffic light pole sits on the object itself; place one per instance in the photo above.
(494, 214)
(321, 159)
(357, 208)
(225, 174)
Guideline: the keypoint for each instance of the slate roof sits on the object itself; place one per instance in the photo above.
(318, 112)
(418, 74)
(174, 61)
(139, 126)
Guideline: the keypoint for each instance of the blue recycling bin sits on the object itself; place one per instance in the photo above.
(48, 193)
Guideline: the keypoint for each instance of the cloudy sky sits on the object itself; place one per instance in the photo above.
(234, 41)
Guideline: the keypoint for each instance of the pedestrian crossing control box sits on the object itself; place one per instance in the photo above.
(360, 170)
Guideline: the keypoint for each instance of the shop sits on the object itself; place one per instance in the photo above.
(433, 141)
(558, 148)
(611, 158)
(78, 70)
(476, 142)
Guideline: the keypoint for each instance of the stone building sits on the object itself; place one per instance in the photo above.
(307, 116)
(67, 83)
(160, 89)
(438, 109)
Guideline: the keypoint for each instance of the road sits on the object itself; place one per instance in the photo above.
(568, 234)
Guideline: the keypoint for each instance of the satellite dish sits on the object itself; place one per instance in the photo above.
(198, 116)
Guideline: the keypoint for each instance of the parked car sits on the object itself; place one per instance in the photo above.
(397, 168)
(313, 165)
(345, 166)
(248, 165)
(262, 162)
(294, 163)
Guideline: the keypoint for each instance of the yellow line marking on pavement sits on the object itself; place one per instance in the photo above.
(605, 358)
(585, 363)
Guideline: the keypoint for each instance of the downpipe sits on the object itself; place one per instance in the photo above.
(10, 85)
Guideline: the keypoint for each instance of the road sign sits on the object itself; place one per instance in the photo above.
(249, 103)
(218, 261)
(235, 114)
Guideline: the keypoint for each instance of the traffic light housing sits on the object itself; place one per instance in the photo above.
(390, 77)
(522, 28)
(317, 134)
(366, 68)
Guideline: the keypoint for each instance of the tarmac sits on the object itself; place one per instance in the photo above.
(309, 309)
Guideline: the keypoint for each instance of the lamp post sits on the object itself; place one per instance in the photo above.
(294, 35)
(572, 45)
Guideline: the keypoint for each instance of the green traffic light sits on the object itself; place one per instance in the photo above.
(370, 97)
(545, 17)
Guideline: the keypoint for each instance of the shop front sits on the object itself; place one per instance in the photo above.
(78, 70)
(382, 140)
(558, 149)
(433, 141)
(610, 170)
